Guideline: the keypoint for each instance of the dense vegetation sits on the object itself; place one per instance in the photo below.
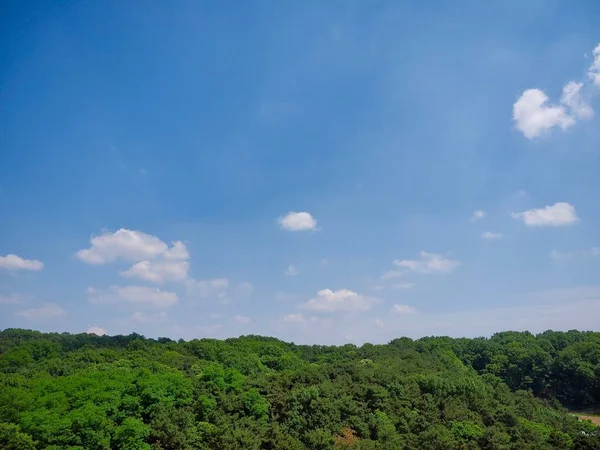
(63, 391)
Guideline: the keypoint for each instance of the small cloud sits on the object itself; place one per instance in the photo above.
(594, 71)
(291, 271)
(378, 323)
(571, 97)
(428, 263)
(490, 235)
(14, 262)
(403, 309)
(403, 285)
(478, 214)
(342, 300)
(48, 311)
(559, 214)
(241, 319)
(216, 316)
(390, 274)
(298, 221)
(556, 255)
(96, 330)
(534, 116)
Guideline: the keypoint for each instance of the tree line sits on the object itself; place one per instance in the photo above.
(510, 391)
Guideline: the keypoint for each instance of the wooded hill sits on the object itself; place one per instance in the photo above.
(511, 391)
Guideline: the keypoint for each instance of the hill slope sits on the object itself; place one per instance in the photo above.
(63, 391)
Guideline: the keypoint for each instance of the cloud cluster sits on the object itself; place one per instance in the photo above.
(156, 262)
(534, 115)
(559, 214)
(14, 262)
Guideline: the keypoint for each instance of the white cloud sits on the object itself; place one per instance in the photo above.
(571, 97)
(403, 285)
(390, 274)
(291, 271)
(241, 319)
(342, 300)
(122, 244)
(138, 296)
(177, 252)
(378, 323)
(534, 116)
(594, 72)
(298, 221)
(403, 309)
(295, 319)
(156, 262)
(206, 288)
(429, 263)
(490, 235)
(48, 311)
(477, 215)
(556, 255)
(96, 330)
(559, 214)
(158, 272)
(14, 262)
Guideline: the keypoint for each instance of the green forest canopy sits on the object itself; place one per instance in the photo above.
(511, 391)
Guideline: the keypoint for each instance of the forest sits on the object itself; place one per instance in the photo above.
(514, 390)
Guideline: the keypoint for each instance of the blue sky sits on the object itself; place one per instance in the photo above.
(309, 170)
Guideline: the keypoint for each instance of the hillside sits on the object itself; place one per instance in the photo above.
(65, 391)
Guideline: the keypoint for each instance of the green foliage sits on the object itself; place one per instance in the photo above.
(11, 438)
(62, 391)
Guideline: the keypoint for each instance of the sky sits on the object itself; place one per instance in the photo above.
(322, 172)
